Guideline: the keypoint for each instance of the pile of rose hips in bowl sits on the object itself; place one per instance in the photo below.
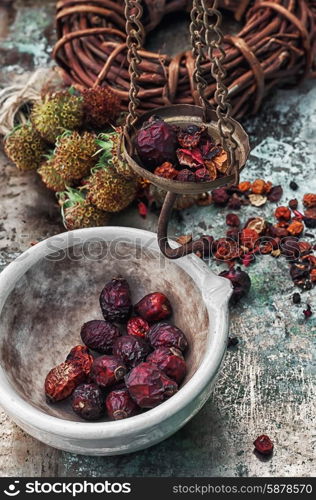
(181, 154)
(134, 371)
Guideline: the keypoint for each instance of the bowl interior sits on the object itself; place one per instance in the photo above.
(43, 314)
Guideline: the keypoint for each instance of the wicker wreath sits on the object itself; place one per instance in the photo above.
(275, 48)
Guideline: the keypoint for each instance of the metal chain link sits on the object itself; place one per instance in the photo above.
(196, 30)
(134, 40)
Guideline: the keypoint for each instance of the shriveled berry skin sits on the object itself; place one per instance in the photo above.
(88, 401)
(80, 354)
(132, 350)
(156, 142)
(115, 301)
(62, 380)
(99, 335)
(170, 361)
(119, 405)
(138, 327)
(149, 386)
(263, 445)
(240, 281)
(154, 307)
(106, 370)
(166, 335)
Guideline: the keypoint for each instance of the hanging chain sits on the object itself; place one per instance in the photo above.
(196, 31)
(213, 37)
(134, 40)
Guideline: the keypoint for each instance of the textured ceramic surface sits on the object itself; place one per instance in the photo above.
(53, 288)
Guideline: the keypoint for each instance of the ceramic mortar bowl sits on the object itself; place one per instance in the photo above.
(53, 288)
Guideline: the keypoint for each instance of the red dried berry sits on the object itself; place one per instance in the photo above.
(154, 307)
(80, 354)
(234, 202)
(137, 327)
(308, 311)
(166, 170)
(202, 175)
(166, 335)
(299, 272)
(106, 370)
(88, 402)
(232, 220)
(190, 157)
(275, 194)
(309, 200)
(99, 335)
(115, 301)
(132, 350)
(310, 218)
(119, 405)
(220, 196)
(185, 175)
(293, 204)
(149, 386)
(156, 142)
(190, 136)
(170, 361)
(283, 213)
(63, 379)
(240, 281)
(290, 248)
(142, 209)
(263, 445)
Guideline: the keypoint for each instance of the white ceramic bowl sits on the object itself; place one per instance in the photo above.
(51, 289)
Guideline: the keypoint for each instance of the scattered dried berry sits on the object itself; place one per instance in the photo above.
(80, 354)
(293, 204)
(137, 327)
(275, 194)
(308, 311)
(240, 281)
(156, 142)
(257, 224)
(166, 170)
(263, 445)
(202, 175)
(106, 370)
(283, 213)
(191, 158)
(299, 272)
(88, 402)
(296, 298)
(259, 186)
(296, 228)
(234, 202)
(309, 200)
(166, 335)
(310, 218)
(293, 186)
(149, 386)
(290, 248)
(115, 301)
(99, 335)
(62, 380)
(120, 405)
(257, 200)
(232, 341)
(249, 238)
(154, 307)
(190, 136)
(185, 175)
(142, 209)
(220, 196)
(132, 350)
(170, 361)
(232, 220)
(244, 186)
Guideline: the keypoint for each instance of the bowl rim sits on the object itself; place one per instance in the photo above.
(218, 292)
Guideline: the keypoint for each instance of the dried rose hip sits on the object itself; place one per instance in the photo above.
(99, 335)
(80, 354)
(275, 194)
(149, 386)
(263, 445)
(249, 238)
(166, 335)
(240, 281)
(296, 298)
(156, 142)
(310, 218)
(115, 301)
(138, 327)
(309, 200)
(220, 196)
(308, 311)
(132, 350)
(88, 401)
(119, 405)
(293, 185)
(63, 379)
(244, 186)
(190, 136)
(296, 228)
(282, 213)
(154, 307)
(234, 202)
(185, 175)
(290, 248)
(166, 170)
(170, 361)
(232, 220)
(190, 157)
(293, 204)
(106, 370)
(202, 175)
